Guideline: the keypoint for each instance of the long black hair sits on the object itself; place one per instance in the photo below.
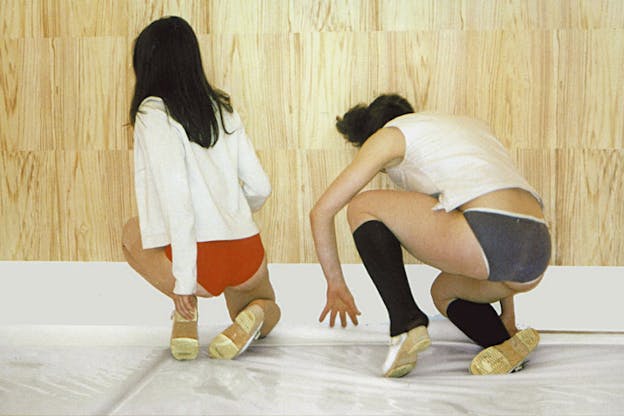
(360, 122)
(167, 64)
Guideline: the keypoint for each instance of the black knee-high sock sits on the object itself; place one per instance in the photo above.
(381, 254)
(479, 321)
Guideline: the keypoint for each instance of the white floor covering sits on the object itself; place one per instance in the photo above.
(297, 370)
(91, 339)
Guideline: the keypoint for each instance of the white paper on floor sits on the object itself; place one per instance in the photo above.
(300, 370)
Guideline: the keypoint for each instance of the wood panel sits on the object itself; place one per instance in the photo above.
(547, 76)
(590, 197)
(87, 18)
(90, 78)
(29, 201)
(590, 93)
(260, 73)
(27, 85)
(281, 219)
(95, 198)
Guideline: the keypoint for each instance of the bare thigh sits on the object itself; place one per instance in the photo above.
(441, 239)
(448, 287)
(152, 263)
(257, 287)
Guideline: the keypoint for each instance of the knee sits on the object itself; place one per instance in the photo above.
(357, 210)
(270, 323)
(440, 293)
(130, 233)
(272, 314)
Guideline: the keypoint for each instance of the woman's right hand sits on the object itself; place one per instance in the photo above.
(339, 302)
(185, 305)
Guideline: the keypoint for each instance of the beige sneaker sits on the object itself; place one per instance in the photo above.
(403, 352)
(184, 343)
(506, 357)
(238, 336)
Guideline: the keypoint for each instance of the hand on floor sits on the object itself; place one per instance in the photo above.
(340, 302)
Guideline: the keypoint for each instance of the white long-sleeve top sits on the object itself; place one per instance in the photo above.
(455, 158)
(187, 193)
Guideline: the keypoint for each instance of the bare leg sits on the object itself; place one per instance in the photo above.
(508, 315)
(152, 264)
(505, 347)
(446, 241)
(256, 291)
(253, 311)
(448, 287)
(441, 239)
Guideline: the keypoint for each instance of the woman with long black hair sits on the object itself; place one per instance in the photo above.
(197, 182)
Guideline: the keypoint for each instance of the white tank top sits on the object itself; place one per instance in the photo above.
(456, 159)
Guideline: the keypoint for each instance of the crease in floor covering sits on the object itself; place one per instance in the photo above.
(307, 371)
(134, 385)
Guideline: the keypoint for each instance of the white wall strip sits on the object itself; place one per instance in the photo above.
(99, 293)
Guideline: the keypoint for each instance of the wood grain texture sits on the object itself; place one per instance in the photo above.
(590, 196)
(264, 96)
(29, 206)
(27, 86)
(590, 94)
(282, 218)
(546, 75)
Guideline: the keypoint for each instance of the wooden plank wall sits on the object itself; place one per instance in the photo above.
(548, 76)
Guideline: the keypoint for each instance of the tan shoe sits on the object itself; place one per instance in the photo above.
(507, 357)
(184, 342)
(238, 336)
(403, 352)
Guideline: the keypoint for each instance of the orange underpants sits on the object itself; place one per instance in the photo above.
(221, 264)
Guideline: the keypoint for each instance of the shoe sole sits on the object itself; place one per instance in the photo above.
(224, 348)
(493, 360)
(184, 348)
(407, 361)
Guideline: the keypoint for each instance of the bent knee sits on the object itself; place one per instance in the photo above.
(358, 210)
(130, 233)
(440, 293)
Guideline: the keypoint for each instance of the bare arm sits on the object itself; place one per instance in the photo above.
(384, 148)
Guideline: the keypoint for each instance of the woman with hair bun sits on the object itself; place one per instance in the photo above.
(463, 208)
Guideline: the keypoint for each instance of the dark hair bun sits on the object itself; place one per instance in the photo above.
(353, 124)
(361, 122)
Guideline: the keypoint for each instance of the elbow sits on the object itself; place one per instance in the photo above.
(312, 216)
(264, 189)
(263, 194)
(258, 195)
(314, 220)
(317, 214)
